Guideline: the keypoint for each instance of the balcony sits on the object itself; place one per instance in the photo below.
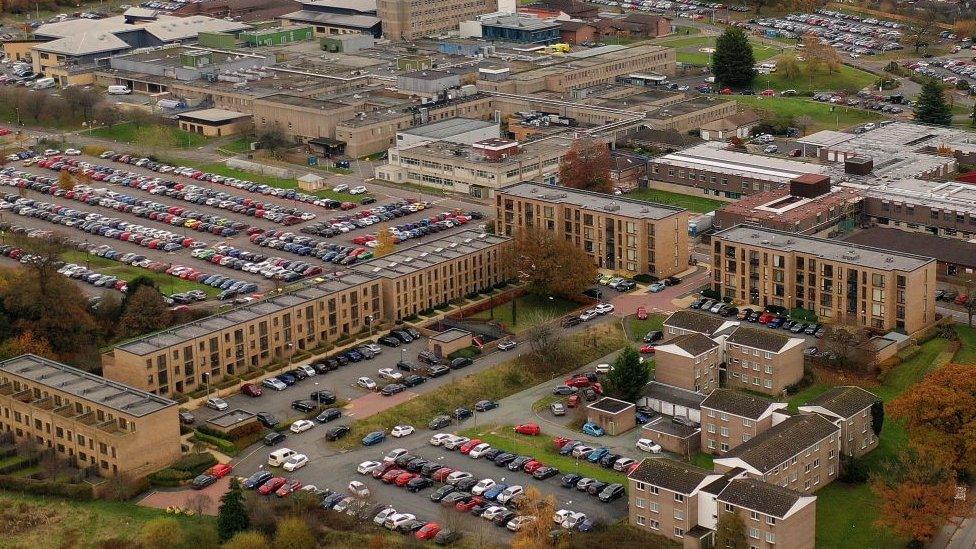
(110, 427)
(66, 411)
(24, 396)
(87, 419)
(46, 403)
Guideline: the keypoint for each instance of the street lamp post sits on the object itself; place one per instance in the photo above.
(206, 378)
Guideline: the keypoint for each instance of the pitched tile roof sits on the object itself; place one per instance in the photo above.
(670, 474)
(695, 321)
(844, 401)
(760, 496)
(783, 441)
(674, 395)
(694, 344)
(757, 338)
(734, 402)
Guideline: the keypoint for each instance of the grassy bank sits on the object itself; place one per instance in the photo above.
(639, 328)
(687, 48)
(495, 383)
(530, 310)
(846, 78)
(129, 133)
(686, 201)
(820, 114)
(166, 283)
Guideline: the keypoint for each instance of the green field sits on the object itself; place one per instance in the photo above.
(127, 133)
(847, 78)
(167, 284)
(821, 115)
(529, 310)
(967, 338)
(270, 180)
(690, 202)
(639, 328)
(688, 49)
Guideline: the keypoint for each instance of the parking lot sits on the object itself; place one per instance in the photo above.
(845, 32)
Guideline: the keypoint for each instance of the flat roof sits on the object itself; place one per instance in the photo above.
(416, 258)
(85, 385)
(611, 405)
(828, 250)
(213, 115)
(428, 74)
(593, 201)
(714, 156)
(450, 127)
(231, 418)
(947, 250)
(448, 336)
(177, 335)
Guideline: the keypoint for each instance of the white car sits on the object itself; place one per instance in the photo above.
(302, 425)
(493, 511)
(393, 454)
(51, 152)
(507, 345)
(559, 516)
(401, 431)
(309, 371)
(648, 445)
(479, 450)
(440, 438)
(394, 522)
(357, 488)
(389, 374)
(366, 383)
(603, 308)
(358, 190)
(483, 486)
(623, 463)
(296, 461)
(217, 404)
(580, 450)
(72, 152)
(509, 493)
(603, 368)
(381, 517)
(572, 520)
(455, 442)
(456, 477)
(368, 467)
(589, 314)
(517, 523)
(274, 383)
(340, 188)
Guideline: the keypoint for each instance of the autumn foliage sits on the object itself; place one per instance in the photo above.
(587, 166)
(385, 243)
(916, 495)
(550, 264)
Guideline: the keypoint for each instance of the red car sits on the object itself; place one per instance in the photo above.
(250, 390)
(725, 91)
(467, 446)
(531, 429)
(531, 466)
(578, 381)
(572, 401)
(647, 349)
(642, 313)
(469, 503)
(441, 474)
(221, 470)
(766, 317)
(428, 531)
(272, 485)
(391, 475)
(404, 478)
(287, 488)
(382, 469)
(559, 442)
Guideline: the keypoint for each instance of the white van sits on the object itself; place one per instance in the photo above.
(278, 457)
(44, 83)
(119, 90)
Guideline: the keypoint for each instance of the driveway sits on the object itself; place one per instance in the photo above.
(664, 302)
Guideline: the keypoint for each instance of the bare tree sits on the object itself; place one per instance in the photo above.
(200, 503)
(920, 33)
(847, 343)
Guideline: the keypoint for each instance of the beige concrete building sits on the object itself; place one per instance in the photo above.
(214, 122)
(762, 360)
(612, 415)
(690, 362)
(850, 408)
(406, 20)
(175, 360)
(839, 282)
(801, 453)
(773, 516)
(424, 276)
(86, 419)
(302, 118)
(730, 418)
(619, 234)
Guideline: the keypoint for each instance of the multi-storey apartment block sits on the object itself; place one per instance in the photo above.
(730, 418)
(773, 516)
(623, 235)
(686, 322)
(839, 282)
(86, 419)
(762, 360)
(852, 409)
(690, 362)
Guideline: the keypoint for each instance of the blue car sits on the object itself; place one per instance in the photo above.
(776, 322)
(592, 429)
(657, 287)
(375, 437)
(568, 447)
(641, 418)
(494, 491)
(597, 454)
(354, 356)
(287, 379)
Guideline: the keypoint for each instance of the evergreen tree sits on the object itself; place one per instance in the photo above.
(732, 62)
(731, 532)
(629, 375)
(931, 106)
(232, 516)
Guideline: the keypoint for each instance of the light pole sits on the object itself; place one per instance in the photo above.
(288, 347)
(206, 378)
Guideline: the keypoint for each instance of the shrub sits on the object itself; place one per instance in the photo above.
(711, 294)
(194, 463)
(645, 278)
(169, 477)
(46, 487)
(805, 315)
(22, 463)
(467, 352)
(221, 444)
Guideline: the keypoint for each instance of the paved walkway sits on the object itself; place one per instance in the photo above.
(667, 301)
(205, 501)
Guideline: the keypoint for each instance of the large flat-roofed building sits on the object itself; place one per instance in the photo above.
(941, 208)
(335, 17)
(407, 20)
(839, 282)
(174, 360)
(620, 234)
(955, 257)
(424, 276)
(89, 420)
(466, 131)
(479, 169)
(835, 210)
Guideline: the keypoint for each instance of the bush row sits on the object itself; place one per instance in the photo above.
(46, 487)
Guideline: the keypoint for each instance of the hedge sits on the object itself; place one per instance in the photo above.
(467, 352)
(221, 444)
(46, 487)
(644, 278)
(195, 463)
(806, 315)
(169, 477)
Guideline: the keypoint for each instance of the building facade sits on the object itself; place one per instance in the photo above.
(406, 20)
(690, 362)
(730, 418)
(762, 360)
(839, 282)
(86, 419)
(622, 235)
(852, 409)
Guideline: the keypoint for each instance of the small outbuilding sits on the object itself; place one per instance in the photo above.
(232, 421)
(213, 122)
(449, 341)
(612, 415)
(311, 182)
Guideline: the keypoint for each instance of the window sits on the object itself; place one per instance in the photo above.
(679, 532)
(653, 490)
(679, 514)
(654, 507)
(753, 515)
(640, 520)
(770, 537)
(679, 497)
(770, 520)
(639, 502)
(655, 525)
(754, 533)
(641, 486)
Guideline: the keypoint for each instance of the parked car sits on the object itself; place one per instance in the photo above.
(593, 429)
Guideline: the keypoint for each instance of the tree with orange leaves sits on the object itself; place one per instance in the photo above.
(385, 243)
(26, 343)
(916, 495)
(587, 166)
(535, 533)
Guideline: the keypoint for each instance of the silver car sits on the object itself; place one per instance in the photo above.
(557, 409)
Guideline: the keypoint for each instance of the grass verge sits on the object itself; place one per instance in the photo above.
(821, 115)
(270, 180)
(530, 310)
(687, 201)
(967, 338)
(128, 133)
(846, 78)
(639, 328)
(166, 283)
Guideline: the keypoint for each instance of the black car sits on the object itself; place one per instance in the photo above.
(402, 335)
(342, 360)
(596, 487)
(544, 472)
(611, 492)
(331, 414)
(415, 465)
(626, 286)
(257, 479)
(477, 510)
(461, 362)
(428, 469)
(389, 341)
(323, 397)
(452, 498)
(517, 463)
(491, 454)
(570, 321)
(187, 418)
(419, 483)
(411, 526)
(672, 281)
(447, 537)
(332, 364)
(304, 405)
(467, 484)
(320, 367)
(653, 336)
(330, 501)
(504, 518)
(439, 494)
(570, 480)
(504, 459)
(298, 374)
(336, 433)
(485, 405)
(367, 200)
(414, 333)
(202, 481)
(462, 413)
(413, 380)
(438, 370)
(407, 366)
(273, 438)
(267, 419)
(428, 357)
(608, 460)
(392, 388)
(439, 422)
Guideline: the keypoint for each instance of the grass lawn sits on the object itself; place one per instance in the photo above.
(270, 180)
(126, 133)
(239, 145)
(687, 201)
(847, 78)
(538, 405)
(541, 448)
(688, 49)
(65, 523)
(967, 337)
(703, 460)
(166, 283)
(529, 311)
(639, 328)
(820, 113)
